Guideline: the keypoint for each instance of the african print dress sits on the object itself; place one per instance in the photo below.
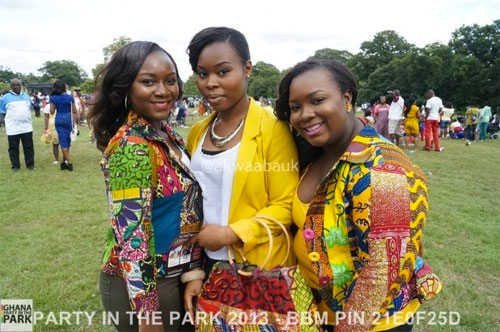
(154, 200)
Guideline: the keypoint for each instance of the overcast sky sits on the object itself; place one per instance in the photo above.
(279, 32)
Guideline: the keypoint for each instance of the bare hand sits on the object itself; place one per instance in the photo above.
(193, 289)
(213, 237)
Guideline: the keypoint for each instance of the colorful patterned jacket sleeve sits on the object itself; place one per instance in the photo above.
(127, 170)
(391, 256)
(383, 198)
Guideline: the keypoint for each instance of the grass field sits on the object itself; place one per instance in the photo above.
(52, 228)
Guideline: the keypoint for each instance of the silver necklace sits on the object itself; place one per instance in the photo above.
(219, 141)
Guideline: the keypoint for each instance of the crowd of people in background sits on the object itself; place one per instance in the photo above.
(205, 190)
(146, 167)
(403, 122)
(63, 111)
(429, 121)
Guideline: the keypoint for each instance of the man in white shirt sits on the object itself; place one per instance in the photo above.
(434, 108)
(395, 116)
(17, 109)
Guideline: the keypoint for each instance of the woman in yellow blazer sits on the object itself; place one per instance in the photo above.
(244, 158)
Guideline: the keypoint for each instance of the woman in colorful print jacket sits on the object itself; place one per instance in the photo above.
(360, 206)
(154, 199)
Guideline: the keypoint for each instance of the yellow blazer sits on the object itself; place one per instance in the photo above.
(265, 178)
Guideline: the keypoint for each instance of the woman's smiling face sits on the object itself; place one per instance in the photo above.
(318, 108)
(155, 88)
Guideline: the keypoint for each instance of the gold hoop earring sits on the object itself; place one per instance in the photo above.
(126, 102)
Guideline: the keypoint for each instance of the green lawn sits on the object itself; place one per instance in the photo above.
(52, 227)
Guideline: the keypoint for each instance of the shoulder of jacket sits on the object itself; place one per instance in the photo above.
(394, 156)
(269, 120)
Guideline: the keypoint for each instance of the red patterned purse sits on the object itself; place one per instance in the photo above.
(245, 297)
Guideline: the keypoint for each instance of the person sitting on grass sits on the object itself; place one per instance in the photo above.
(456, 130)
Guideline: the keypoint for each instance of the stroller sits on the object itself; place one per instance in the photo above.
(493, 130)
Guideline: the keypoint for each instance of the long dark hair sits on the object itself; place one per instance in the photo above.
(58, 88)
(409, 104)
(214, 35)
(109, 113)
(339, 73)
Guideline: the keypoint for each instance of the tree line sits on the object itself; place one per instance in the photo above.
(465, 71)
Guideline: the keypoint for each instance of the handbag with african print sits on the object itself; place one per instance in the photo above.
(246, 297)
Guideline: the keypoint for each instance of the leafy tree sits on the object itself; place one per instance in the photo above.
(4, 86)
(437, 49)
(466, 71)
(414, 75)
(88, 86)
(331, 54)
(117, 43)
(6, 74)
(97, 69)
(493, 85)
(264, 80)
(108, 52)
(190, 88)
(471, 78)
(483, 42)
(32, 78)
(385, 46)
(68, 70)
(365, 93)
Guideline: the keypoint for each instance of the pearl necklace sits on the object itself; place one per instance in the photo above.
(221, 141)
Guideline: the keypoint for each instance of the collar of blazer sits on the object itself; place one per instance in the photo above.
(248, 148)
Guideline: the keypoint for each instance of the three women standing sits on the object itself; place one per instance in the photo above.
(360, 205)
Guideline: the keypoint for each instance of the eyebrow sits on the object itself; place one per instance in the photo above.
(217, 64)
(153, 74)
(309, 94)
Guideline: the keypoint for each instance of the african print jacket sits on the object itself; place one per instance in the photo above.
(143, 176)
(363, 232)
